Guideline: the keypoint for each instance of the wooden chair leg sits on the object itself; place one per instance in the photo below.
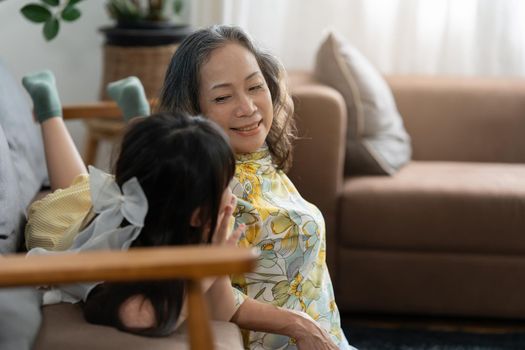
(90, 154)
(198, 319)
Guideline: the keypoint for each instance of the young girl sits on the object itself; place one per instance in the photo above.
(220, 73)
(170, 188)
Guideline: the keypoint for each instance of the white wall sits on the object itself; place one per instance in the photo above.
(75, 56)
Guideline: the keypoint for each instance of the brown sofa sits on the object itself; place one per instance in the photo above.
(446, 234)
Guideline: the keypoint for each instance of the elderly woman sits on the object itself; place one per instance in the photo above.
(220, 73)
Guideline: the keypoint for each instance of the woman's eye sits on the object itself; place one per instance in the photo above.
(221, 99)
(256, 87)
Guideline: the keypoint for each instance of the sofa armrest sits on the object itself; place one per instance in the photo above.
(190, 262)
(137, 264)
(319, 153)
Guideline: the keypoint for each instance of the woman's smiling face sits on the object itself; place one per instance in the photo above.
(233, 93)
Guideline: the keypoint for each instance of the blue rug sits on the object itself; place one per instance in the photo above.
(367, 338)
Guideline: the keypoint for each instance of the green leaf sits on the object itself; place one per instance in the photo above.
(70, 13)
(36, 13)
(51, 2)
(177, 6)
(51, 28)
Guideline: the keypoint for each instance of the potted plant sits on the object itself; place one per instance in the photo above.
(143, 39)
(137, 22)
(145, 23)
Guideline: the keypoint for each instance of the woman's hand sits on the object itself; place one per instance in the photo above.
(221, 235)
(258, 316)
(309, 335)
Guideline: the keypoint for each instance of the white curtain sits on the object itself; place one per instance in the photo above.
(455, 37)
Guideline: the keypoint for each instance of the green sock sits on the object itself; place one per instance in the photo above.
(42, 89)
(130, 96)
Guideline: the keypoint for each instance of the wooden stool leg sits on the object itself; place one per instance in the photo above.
(90, 154)
(198, 319)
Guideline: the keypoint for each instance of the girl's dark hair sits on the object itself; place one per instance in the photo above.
(182, 164)
(180, 91)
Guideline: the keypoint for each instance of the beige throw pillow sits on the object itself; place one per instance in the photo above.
(377, 142)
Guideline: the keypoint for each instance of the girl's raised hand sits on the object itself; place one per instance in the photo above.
(222, 235)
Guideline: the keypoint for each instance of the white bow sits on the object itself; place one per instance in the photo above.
(112, 206)
(104, 233)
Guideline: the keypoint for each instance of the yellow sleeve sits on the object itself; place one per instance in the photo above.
(55, 220)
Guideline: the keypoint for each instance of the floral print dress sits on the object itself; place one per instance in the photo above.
(291, 271)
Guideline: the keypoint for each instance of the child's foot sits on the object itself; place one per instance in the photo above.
(42, 89)
(130, 96)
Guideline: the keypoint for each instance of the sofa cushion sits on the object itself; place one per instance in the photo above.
(472, 119)
(9, 213)
(20, 310)
(26, 156)
(377, 142)
(450, 207)
(63, 327)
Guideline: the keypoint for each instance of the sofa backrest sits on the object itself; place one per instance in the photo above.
(463, 119)
(22, 162)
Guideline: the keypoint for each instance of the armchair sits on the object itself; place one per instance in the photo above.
(192, 263)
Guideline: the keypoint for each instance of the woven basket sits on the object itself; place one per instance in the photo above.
(148, 63)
